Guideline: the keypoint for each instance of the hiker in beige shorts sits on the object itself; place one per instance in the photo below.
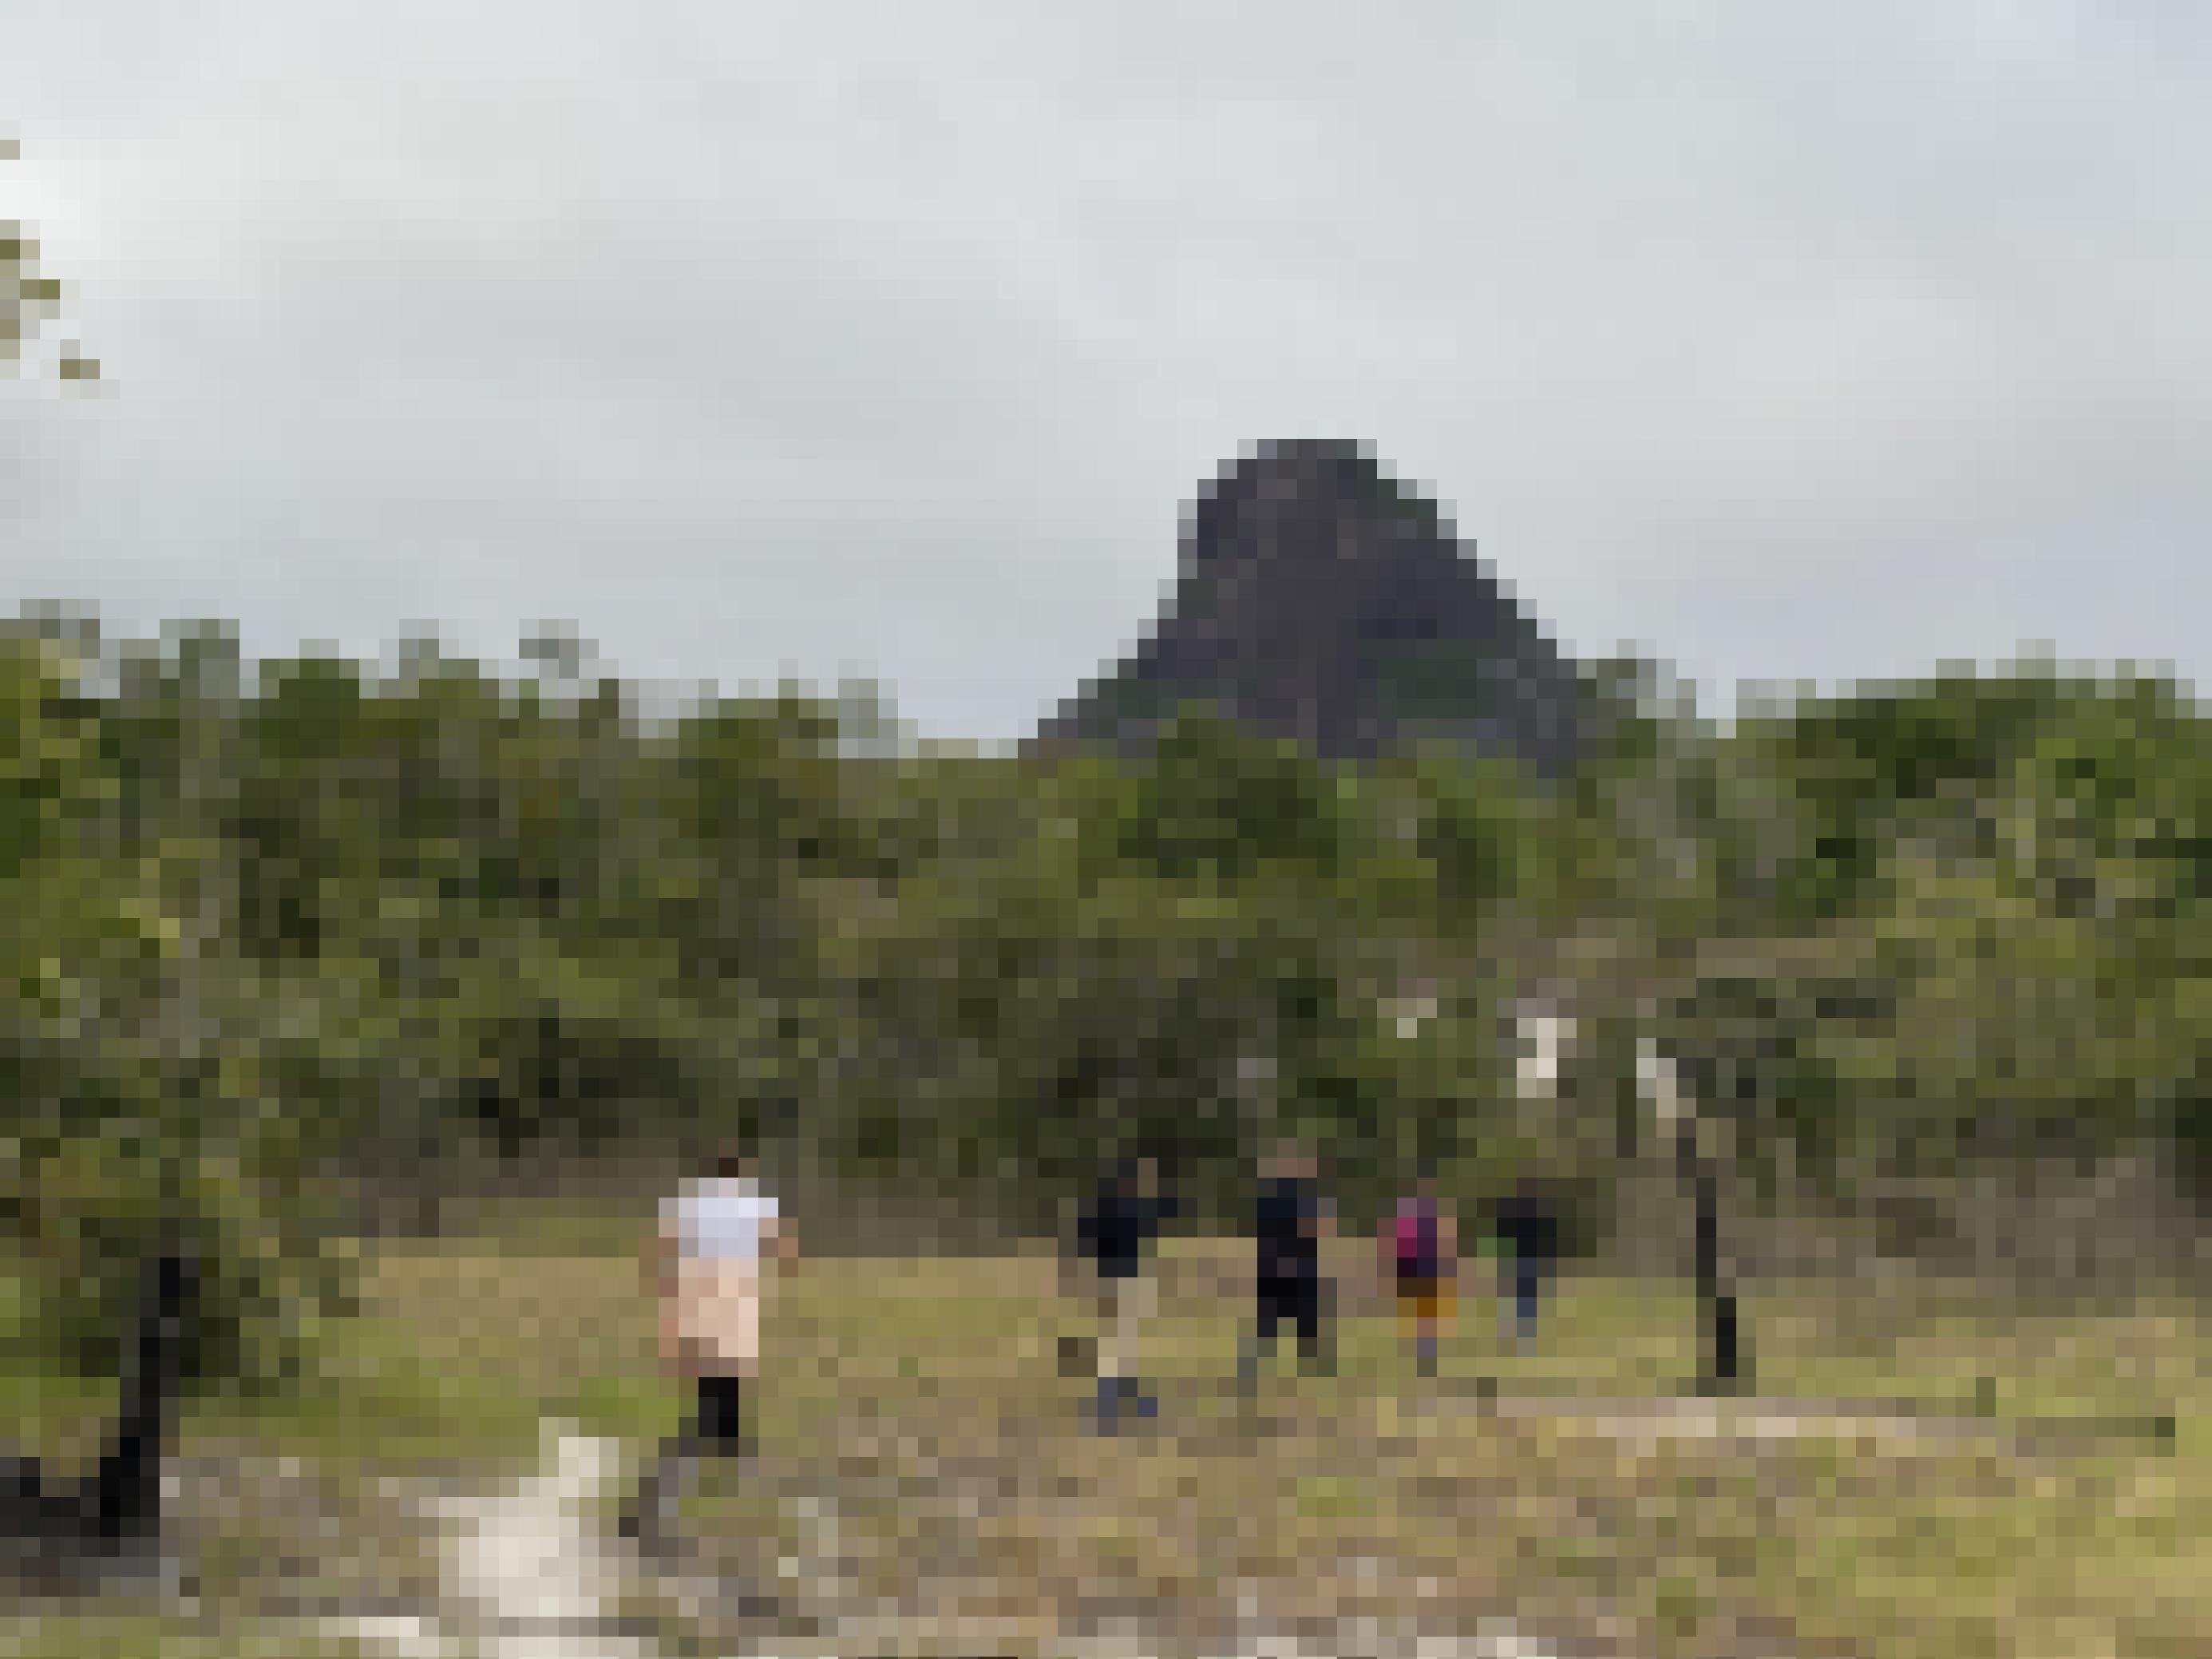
(709, 1265)
(1115, 1235)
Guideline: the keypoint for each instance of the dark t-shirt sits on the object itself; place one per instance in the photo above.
(1286, 1223)
(1119, 1225)
(1527, 1228)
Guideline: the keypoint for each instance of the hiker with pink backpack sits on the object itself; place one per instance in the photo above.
(1420, 1250)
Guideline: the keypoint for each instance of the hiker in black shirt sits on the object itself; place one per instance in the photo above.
(1290, 1220)
(1529, 1231)
(1125, 1216)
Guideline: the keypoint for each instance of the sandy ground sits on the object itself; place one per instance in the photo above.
(530, 1569)
(530, 1573)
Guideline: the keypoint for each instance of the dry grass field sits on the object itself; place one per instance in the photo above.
(928, 1482)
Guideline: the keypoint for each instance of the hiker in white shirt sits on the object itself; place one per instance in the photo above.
(709, 1263)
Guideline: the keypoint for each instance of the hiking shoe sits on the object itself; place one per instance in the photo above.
(640, 1527)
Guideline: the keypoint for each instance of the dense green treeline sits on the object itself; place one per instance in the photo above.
(268, 931)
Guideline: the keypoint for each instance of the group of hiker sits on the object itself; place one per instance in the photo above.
(707, 1262)
(1417, 1244)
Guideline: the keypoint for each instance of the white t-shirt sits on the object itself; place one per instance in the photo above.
(722, 1219)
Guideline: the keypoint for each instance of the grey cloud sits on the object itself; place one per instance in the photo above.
(752, 337)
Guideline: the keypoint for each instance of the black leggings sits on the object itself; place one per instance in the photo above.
(721, 1422)
(719, 1430)
(1297, 1304)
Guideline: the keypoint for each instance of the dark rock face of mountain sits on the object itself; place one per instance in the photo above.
(1320, 600)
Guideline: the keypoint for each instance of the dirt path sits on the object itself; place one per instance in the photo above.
(529, 1573)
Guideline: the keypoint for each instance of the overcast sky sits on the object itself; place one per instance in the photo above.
(892, 339)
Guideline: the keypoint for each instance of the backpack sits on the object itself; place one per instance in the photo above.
(1416, 1235)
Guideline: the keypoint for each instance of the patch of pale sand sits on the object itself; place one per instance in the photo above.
(526, 1575)
(1897, 1426)
(1490, 1642)
(401, 1635)
(1769, 1426)
(1498, 1641)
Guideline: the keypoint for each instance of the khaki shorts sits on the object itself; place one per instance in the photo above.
(1123, 1306)
(711, 1321)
